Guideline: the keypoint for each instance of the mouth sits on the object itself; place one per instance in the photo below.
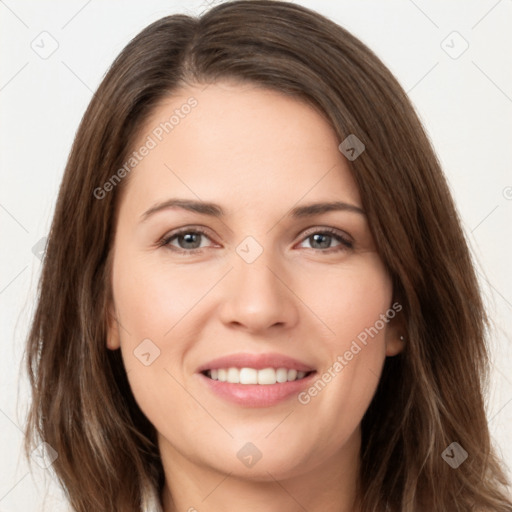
(258, 388)
(262, 377)
(255, 380)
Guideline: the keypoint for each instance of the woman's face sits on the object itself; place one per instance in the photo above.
(257, 278)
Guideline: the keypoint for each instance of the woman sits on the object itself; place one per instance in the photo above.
(256, 292)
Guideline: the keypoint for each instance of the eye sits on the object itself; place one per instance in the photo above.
(322, 239)
(187, 240)
(190, 240)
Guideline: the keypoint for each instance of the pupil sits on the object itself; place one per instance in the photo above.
(319, 237)
(190, 240)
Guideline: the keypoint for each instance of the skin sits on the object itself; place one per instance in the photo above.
(257, 153)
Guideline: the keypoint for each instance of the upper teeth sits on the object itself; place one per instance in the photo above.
(253, 376)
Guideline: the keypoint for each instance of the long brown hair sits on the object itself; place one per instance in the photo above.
(428, 397)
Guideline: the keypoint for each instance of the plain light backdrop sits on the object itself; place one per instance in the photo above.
(454, 59)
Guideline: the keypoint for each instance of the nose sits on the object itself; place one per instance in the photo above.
(259, 296)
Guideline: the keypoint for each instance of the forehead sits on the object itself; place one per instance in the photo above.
(249, 146)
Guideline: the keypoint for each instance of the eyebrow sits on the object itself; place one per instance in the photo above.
(215, 210)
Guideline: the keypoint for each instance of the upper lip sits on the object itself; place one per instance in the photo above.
(256, 361)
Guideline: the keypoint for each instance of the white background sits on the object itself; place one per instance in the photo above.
(465, 104)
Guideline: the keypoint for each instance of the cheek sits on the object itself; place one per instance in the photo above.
(349, 298)
(151, 297)
(350, 302)
(158, 302)
(151, 303)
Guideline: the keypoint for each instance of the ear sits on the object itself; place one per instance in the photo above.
(396, 331)
(113, 339)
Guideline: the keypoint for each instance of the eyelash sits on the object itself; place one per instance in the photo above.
(345, 244)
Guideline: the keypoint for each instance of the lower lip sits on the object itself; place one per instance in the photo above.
(257, 395)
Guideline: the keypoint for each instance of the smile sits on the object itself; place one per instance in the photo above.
(265, 376)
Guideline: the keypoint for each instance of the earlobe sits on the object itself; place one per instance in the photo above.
(395, 337)
(395, 346)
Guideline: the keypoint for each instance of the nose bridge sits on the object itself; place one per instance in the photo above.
(253, 275)
(257, 298)
(257, 275)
